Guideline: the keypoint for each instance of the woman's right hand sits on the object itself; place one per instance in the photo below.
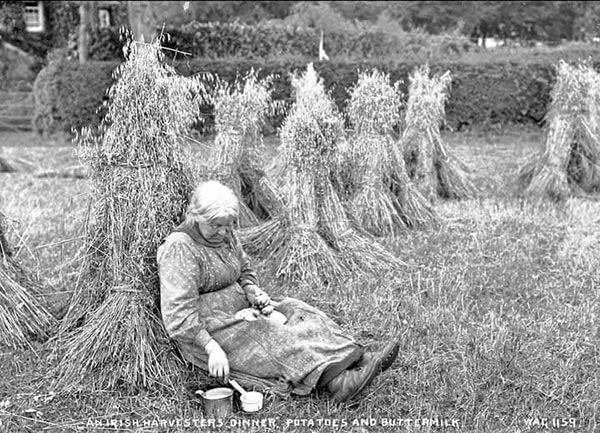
(218, 364)
(257, 297)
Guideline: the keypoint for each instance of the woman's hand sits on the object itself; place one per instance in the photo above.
(218, 364)
(257, 297)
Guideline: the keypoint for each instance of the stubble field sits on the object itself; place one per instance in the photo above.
(497, 309)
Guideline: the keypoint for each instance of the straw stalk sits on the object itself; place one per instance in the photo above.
(240, 112)
(313, 238)
(430, 166)
(23, 315)
(112, 335)
(570, 160)
(381, 197)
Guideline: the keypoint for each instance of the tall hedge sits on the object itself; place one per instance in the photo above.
(492, 92)
(266, 41)
(224, 40)
(497, 92)
(69, 95)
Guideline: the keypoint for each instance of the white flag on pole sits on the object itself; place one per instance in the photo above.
(322, 54)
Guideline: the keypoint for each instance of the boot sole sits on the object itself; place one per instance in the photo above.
(389, 354)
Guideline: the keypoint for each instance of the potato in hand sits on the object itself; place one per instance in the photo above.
(266, 310)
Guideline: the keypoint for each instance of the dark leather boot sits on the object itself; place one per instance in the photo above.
(351, 382)
(387, 355)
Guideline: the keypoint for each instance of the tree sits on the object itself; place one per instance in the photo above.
(244, 11)
(319, 15)
(83, 42)
(360, 10)
(437, 16)
(145, 17)
(587, 21)
(525, 20)
(11, 17)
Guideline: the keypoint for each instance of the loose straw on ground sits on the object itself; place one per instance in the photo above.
(433, 170)
(381, 197)
(112, 335)
(313, 239)
(23, 315)
(240, 111)
(571, 156)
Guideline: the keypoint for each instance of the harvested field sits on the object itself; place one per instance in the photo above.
(497, 311)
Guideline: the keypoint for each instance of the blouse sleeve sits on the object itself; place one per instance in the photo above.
(247, 271)
(179, 274)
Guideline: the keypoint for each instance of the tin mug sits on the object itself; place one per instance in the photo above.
(218, 402)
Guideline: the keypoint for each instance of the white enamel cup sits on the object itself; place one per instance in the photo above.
(251, 401)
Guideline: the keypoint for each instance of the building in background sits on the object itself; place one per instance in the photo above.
(33, 15)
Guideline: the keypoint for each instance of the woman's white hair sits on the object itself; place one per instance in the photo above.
(212, 200)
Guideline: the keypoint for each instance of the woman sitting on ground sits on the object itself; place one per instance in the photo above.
(223, 322)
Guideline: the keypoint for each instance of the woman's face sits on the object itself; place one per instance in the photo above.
(216, 229)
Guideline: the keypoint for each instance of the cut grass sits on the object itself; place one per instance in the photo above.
(45, 225)
(497, 314)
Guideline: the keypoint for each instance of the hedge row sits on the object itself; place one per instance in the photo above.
(236, 40)
(225, 40)
(68, 94)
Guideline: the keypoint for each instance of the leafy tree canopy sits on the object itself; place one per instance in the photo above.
(533, 20)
